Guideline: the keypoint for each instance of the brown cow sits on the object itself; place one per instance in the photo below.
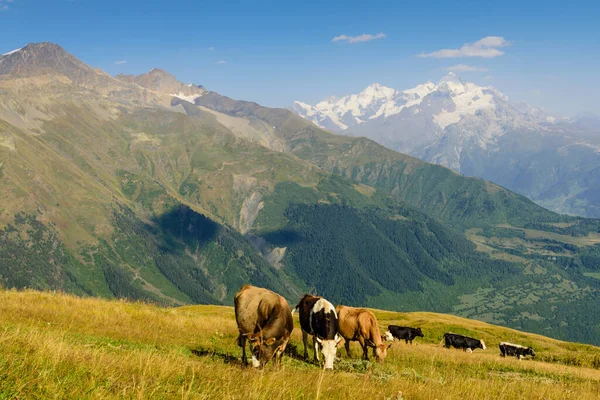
(360, 324)
(264, 318)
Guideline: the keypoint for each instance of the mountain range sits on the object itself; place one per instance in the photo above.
(146, 188)
(477, 131)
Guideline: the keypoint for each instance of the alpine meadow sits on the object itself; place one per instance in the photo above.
(136, 209)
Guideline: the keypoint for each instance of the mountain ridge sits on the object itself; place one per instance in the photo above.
(478, 131)
(114, 189)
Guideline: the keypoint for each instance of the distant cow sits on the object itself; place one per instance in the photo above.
(264, 318)
(319, 319)
(509, 349)
(405, 333)
(462, 342)
(359, 324)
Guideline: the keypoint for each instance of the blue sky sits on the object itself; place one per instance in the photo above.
(274, 52)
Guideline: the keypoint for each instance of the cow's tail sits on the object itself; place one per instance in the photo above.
(297, 306)
(443, 339)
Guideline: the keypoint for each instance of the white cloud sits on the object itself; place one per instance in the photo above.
(120, 62)
(365, 37)
(4, 4)
(465, 68)
(211, 48)
(221, 62)
(486, 48)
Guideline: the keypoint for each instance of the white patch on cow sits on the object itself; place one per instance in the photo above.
(471, 350)
(482, 344)
(324, 305)
(518, 346)
(388, 336)
(329, 349)
(255, 362)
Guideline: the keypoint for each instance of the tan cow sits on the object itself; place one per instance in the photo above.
(264, 318)
(359, 324)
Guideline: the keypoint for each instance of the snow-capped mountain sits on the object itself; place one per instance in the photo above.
(417, 120)
(476, 131)
(455, 97)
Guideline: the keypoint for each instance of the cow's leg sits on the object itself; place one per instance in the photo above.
(347, 346)
(305, 341)
(470, 350)
(519, 357)
(316, 348)
(406, 341)
(365, 348)
(242, 343)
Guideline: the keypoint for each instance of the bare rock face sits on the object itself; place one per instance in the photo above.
(37, 59)
(250, 209)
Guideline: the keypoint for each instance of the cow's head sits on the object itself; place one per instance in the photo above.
(263, 349)
(381, 351)
(530, 352)
(419, 332)
(329, 349)
(387, 336)
(482, 345)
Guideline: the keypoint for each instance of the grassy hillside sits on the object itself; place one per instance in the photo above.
(61, 346)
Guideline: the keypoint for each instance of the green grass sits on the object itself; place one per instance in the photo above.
(59, 346)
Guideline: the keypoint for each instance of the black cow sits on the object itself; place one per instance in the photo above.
(319, 319)
(509, 349)
(462, 342)
(405, 333)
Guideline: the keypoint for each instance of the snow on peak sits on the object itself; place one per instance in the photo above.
(453, 100)
(11, 52)
(190, 99)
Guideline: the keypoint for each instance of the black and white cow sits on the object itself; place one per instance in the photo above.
(319, 319)
(405, 333)
(462, 342)
(510, 349)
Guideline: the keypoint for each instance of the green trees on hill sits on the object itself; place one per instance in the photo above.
(349, 254)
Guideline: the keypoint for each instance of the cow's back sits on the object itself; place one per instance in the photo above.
(348, 322)
(367, 324)
(253, 307)
(355, 322)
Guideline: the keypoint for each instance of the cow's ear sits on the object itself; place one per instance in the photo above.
(390, 345)
(270, 341)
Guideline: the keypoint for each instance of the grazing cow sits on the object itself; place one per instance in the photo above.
(319, 319)
(361, 325)
(509, 349)
(405, 333)
(264, 318)
(462, 342)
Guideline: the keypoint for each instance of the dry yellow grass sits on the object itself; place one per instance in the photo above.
(60, 346)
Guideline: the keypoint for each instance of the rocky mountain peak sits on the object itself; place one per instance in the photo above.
(161, 81)
(43, 58)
